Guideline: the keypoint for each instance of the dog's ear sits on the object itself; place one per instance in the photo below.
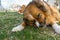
(40, 5)
(43, 8)
(38, 2)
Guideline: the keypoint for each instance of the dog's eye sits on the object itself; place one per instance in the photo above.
(39, 15)
(43, 8)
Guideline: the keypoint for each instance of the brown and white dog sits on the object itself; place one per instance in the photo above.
(40, 14)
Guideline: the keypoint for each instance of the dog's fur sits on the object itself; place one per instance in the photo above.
(22, 8)
(37, 14)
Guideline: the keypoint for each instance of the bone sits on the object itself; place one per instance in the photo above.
(37, 24)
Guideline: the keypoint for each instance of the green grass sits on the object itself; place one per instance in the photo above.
(11, 19)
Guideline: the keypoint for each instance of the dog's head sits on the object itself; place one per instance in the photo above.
(33, 14)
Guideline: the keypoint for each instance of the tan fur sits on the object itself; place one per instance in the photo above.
(39, 13)
(22, 8)
(50, 16)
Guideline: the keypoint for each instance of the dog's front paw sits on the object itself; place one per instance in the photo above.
(18, 28)
(56, 27)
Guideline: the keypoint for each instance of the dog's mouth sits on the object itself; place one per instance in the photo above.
(29, 22)
(34, 23)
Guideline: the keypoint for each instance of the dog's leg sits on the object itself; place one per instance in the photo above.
(56, 27)
(19, 27)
